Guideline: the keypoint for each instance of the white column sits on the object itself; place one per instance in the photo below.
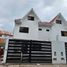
(5, 50)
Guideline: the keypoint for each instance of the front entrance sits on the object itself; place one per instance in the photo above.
(29, 51)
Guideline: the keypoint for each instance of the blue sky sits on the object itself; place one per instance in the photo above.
(45, 9)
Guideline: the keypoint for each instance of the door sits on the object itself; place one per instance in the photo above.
(29, 51)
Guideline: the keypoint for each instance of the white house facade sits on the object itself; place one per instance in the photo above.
(37, 30)
(31, 28)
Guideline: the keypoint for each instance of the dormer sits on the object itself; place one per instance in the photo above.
(30, 16)
(59, 20)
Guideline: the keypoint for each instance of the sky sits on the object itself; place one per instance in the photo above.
(45, 9)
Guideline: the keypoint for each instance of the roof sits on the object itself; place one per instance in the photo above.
(5, 33)
(50, 23)
(47, 24)
(19, 21)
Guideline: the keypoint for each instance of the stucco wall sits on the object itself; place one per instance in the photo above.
(58, 47)
(32, 25)
(56, 32)
(43, 34)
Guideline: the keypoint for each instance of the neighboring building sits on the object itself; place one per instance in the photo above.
(54, 32)
(4, 35)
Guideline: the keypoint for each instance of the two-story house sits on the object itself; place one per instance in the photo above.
(53, 35)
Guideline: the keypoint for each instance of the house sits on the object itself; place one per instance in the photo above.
(29, 24)
(50, 38)
(47, 31)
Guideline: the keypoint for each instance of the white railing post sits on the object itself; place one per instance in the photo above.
(5, 50)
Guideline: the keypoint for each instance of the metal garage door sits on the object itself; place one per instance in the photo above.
(29, 51)
(66, 51)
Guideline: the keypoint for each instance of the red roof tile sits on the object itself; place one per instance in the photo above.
(5, 33)
(48, 24)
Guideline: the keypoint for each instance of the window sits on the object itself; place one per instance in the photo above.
(58, 21)
(62, 58)
(54, 58)
(47, 30)
(63, 33)
(24, 29)
(40, 29)
(31, 18)
(54, 53)
(61, 53)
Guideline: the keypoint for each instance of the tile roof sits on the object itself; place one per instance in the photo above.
(50, 23)
(5, 33)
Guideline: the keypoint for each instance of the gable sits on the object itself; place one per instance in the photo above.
(31, 14)
(58, 18)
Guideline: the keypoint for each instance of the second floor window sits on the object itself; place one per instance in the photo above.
(63, 33)
(47, 30)
(31, 18)
(40, 29)
(24, 30)
(58, 21)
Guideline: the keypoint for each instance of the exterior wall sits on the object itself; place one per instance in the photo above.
(33, 29)
(53, 35)
(58, 47)
(56, 32)
(43, 34)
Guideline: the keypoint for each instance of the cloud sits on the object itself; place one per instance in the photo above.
(47, 9)
(10, 8)
(1, 25)
(6, 24)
